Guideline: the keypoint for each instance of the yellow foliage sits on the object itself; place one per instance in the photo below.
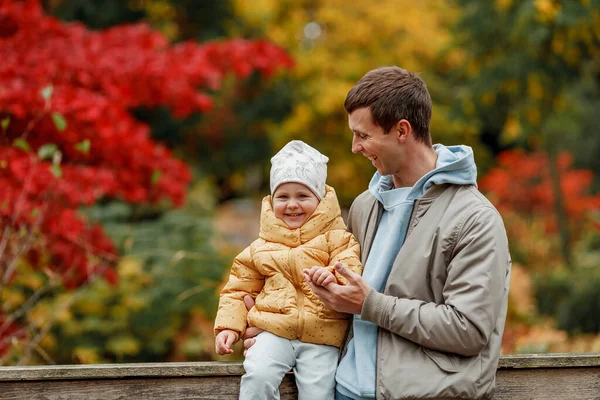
(535, 89)
(547, 10)
(161, 14)
(521, 296)
(84, 355)
(48, 342)
(558, 44)
(468, 107)
(503, 5)
(510, 86)
(39, 314)
(124, 345)
(89, 306)
(135, 303)
(512, 129)
(63, 315)
(28, 277)
(334, 43)
(488, 98)
(572, 55)
(540, 338)
(578, 344)
(129, 267)
(12, 298)
(119, 312)
(534, 117)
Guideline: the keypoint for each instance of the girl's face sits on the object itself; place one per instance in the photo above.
(293, 203)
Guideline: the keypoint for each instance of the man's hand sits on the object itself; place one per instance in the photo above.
(348, 298)
(224, 341)
(251, 331)
(320, 276)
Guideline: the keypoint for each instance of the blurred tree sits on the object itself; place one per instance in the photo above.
(69, 140)
(95, 14)
(521, 188)
(162, 280)
(527, 67)
(177, 19)
(335, 43)
(230, 143)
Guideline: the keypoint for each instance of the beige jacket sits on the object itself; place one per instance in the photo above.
(270, 270)
(442, 313)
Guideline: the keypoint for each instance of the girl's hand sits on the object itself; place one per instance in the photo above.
(320, 276)
(225, 339)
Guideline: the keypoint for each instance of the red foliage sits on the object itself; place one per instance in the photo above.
(521, 183)
(97, 77)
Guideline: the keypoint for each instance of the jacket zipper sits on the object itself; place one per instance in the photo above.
(299, 297)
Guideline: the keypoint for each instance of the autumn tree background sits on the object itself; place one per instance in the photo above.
(136, 138)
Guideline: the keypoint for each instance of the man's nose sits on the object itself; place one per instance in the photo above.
(356, 147)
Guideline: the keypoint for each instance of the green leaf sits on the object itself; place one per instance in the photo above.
(47, 92)
(59, 121)
(47, 151)
(155, 176)
(22, 144)
(83, 146)
(56, 170)
(4, 123)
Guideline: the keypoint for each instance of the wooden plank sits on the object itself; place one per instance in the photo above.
(105, 371)
(195, 369)
(548, 383)
(222, 388)
(519, 377)
(550, 360)
(526, 384)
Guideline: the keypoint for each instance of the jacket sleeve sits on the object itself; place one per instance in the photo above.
(345, 249)
(244, 279)
(474, 293)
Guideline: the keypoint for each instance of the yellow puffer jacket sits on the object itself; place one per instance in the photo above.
(270, 270)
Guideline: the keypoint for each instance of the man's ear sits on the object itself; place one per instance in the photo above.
(403, 130)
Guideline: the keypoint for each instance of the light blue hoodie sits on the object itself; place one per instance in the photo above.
(355, 376)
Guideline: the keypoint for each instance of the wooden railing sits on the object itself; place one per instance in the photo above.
(519, 377)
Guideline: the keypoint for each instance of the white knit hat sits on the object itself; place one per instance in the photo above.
(298, 162)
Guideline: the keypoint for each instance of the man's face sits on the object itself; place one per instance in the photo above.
(370, 141)
(293, 203)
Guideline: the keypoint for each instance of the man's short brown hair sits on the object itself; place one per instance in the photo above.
(392, 94)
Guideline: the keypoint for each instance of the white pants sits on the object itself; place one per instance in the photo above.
(268, 360)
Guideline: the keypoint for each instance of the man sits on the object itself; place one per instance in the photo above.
(430, 307)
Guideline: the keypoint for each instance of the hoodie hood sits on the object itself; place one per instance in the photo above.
(455, 164)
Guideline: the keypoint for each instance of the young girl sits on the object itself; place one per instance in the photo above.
(300, 227)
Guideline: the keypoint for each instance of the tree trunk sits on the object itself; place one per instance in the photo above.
(559, 209)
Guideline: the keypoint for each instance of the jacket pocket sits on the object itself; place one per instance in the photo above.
(446, 362)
